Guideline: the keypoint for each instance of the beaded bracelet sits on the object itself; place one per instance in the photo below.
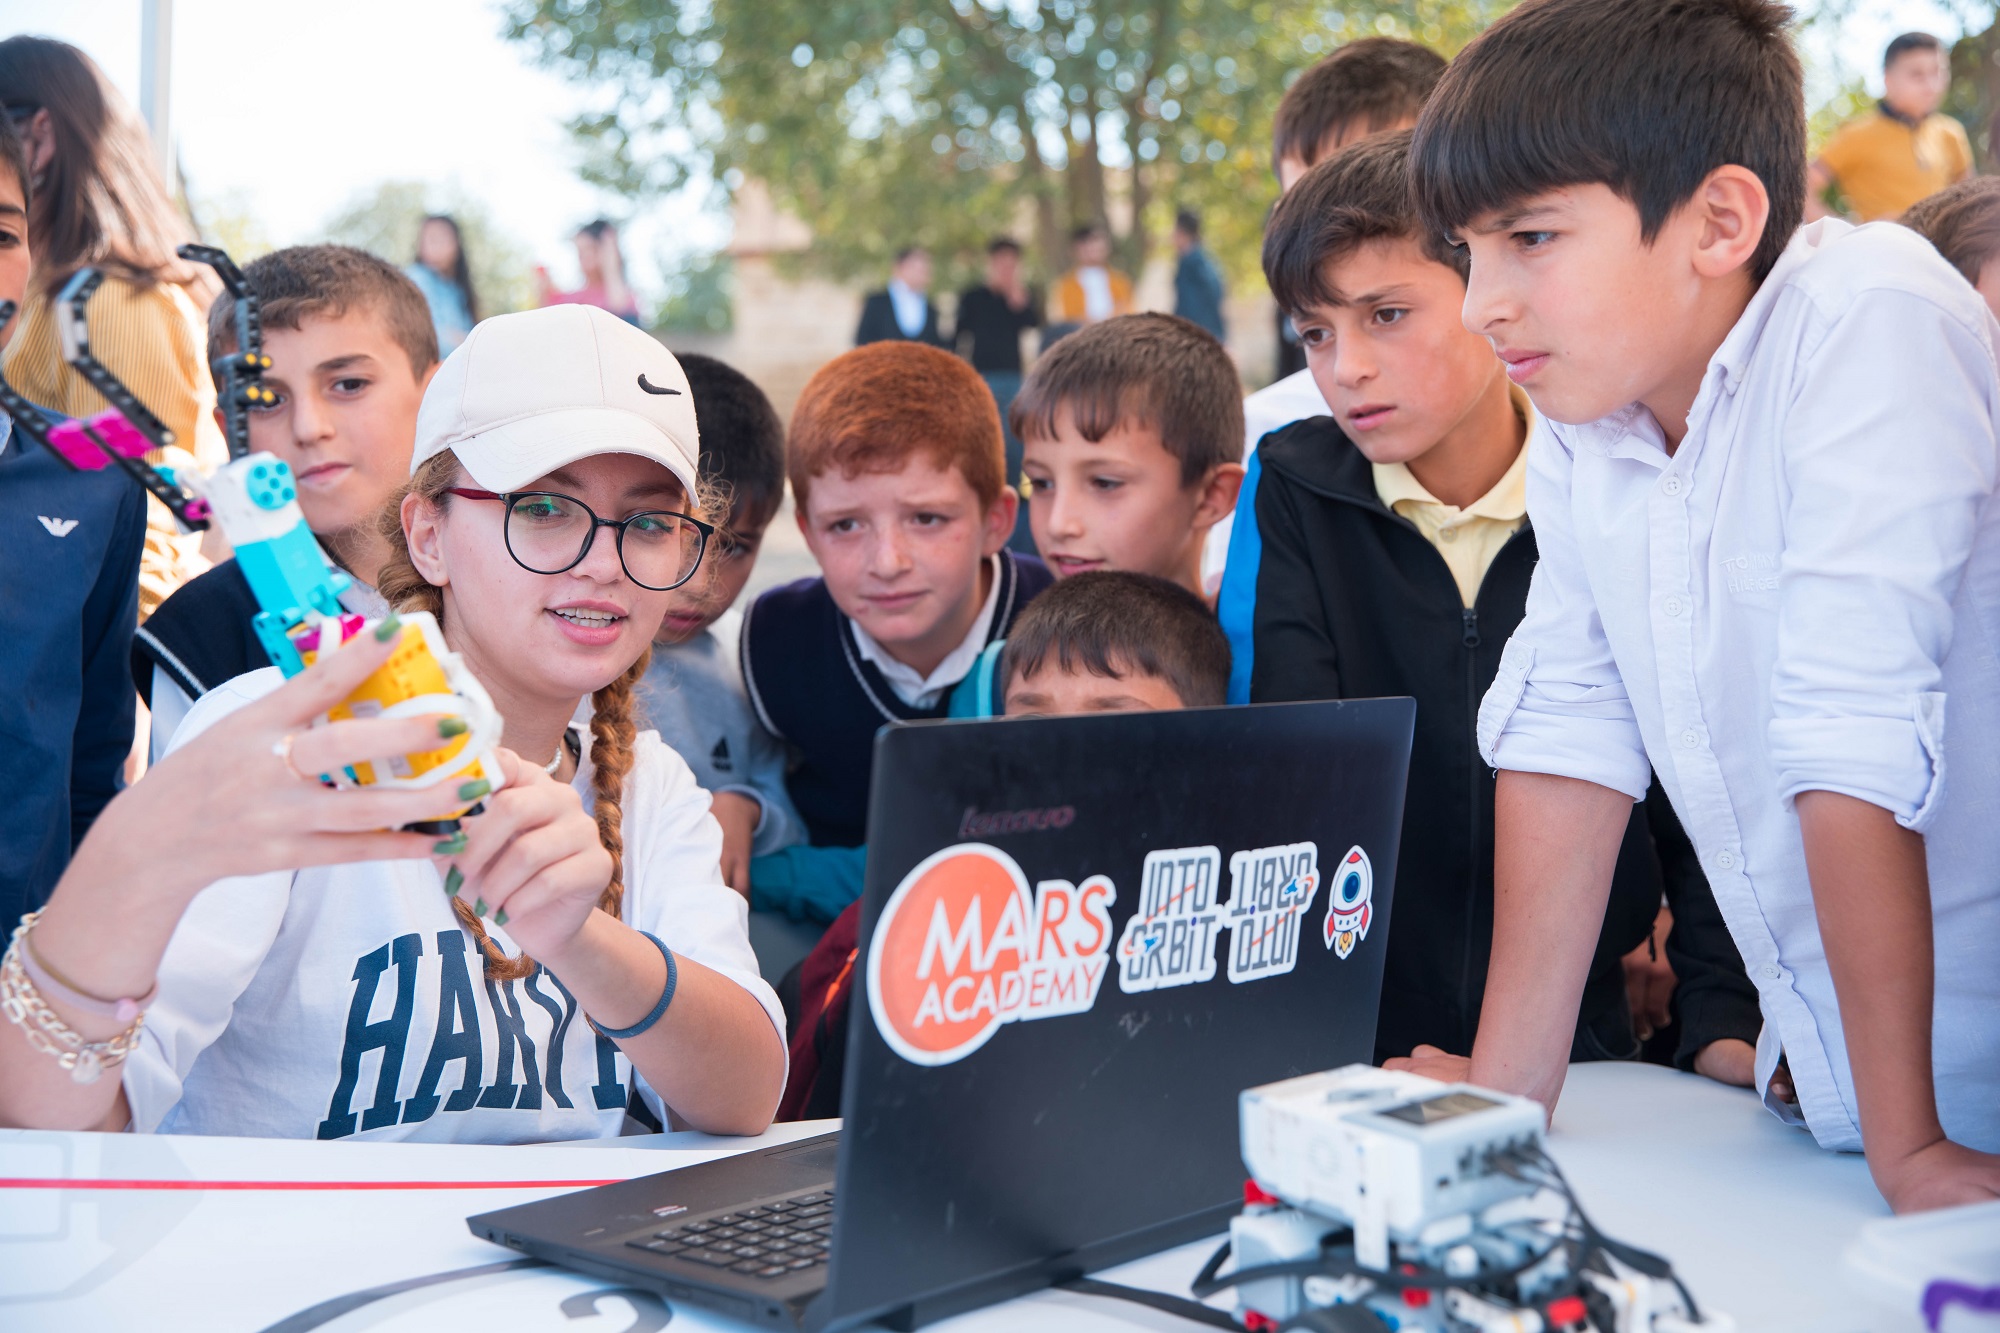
(666, 998)
(45, 1030)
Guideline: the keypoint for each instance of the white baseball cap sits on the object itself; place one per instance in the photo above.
(528, 393)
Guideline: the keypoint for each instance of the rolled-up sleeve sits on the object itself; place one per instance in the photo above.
(1884, 497)
(1558, 704)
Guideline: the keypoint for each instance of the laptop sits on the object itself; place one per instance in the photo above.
(1081, 938)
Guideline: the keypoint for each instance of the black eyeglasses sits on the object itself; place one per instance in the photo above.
(550, 533)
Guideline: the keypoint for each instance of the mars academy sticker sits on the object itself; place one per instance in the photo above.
(963, 946)
(1350, 906)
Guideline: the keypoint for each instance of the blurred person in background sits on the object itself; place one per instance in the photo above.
(991, 319)
(99, 202)
(602, 262)
(902, 310)
(1198, 287)
(1092, 291)
(445, 278)
(1901, 151)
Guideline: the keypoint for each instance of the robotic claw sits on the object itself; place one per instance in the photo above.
(253, 498)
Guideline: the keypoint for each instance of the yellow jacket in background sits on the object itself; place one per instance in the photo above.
(1069, 299)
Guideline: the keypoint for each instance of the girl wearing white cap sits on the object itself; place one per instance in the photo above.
(288, 969)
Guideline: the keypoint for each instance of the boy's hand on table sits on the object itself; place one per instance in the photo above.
(1734, 1062)
(1942, 1174)
(1649, 980)
(738, 814)
(1433, 1062)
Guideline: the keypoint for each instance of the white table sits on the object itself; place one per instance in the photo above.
(161, 1233)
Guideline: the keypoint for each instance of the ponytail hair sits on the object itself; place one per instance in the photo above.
(612, 727)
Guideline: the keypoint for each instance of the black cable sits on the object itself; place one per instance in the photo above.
(1158, 1300)
(1643, 1261)
(1333, 1264)
(1214, 1264)
(1335, 1319)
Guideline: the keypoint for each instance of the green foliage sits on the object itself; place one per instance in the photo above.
(384, 221)
(229, 220)
(886, 122)
(698, 296)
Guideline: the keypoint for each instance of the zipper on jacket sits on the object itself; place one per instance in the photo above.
(1469, 622)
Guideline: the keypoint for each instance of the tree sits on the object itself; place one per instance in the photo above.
(384, 221)
(887, 122)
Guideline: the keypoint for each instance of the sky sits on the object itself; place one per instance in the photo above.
(294, 108)
(291, 109)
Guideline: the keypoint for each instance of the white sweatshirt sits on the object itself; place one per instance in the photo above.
(346, 1001)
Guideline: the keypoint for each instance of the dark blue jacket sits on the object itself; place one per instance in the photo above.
(1330, 594)
(812, 690)
(1198, 291)
(69, 598)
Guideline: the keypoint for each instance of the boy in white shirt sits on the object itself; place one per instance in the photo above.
(1743, 577)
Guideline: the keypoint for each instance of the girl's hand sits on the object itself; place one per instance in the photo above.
(532, 862)
(242, 799)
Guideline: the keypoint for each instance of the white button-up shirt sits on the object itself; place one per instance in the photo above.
(921, 691)
(1788, 603)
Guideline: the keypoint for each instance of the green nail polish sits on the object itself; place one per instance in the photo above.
(451, 846)
(500, 917)
(472, 791)
(452, 726)
(479, 907)
(453, 882)
(389, 628)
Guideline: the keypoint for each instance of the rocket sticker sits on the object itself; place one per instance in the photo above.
(1350, 907)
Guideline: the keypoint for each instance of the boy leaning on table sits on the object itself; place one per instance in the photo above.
(1770, 564)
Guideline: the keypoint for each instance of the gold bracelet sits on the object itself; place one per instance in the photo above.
(86, 1061)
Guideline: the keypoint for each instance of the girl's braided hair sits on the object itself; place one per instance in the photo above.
(612, 726)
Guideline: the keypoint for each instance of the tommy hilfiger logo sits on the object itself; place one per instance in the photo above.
(58, 527)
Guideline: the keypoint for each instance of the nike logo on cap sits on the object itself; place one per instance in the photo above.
(58, 527)
(652, 389)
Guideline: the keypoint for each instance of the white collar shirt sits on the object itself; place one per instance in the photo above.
(345, 1001)
(923, 691)
(1097, 301)
(911, 308)
(1787, 603)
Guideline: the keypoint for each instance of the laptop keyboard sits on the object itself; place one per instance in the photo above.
(771, 1240)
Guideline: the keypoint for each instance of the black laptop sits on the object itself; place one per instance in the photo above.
(1081, 938)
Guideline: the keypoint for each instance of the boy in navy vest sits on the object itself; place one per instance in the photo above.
(898, 472)
(1104, 641)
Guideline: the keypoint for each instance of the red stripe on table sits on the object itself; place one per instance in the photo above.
(61, 1183)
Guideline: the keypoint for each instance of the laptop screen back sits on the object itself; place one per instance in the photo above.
(1081, 938)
